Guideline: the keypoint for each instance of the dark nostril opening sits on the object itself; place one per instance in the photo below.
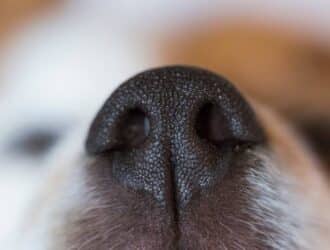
(133, 129)
(211, 124)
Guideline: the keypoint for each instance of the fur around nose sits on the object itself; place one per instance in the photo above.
(172, 132)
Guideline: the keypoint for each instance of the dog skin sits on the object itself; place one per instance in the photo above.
(257, 187)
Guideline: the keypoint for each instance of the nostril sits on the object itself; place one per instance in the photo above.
(133, 129)
(118, 129)
(211, 124)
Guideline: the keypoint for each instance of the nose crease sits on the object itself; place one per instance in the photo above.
(174, 162)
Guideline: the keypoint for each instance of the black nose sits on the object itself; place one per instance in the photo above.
(173, 131)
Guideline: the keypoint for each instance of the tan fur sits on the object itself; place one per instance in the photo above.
(296, 156)
(14, 13)
(297, 161)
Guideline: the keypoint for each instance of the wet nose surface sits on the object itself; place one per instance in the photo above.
(172, 132)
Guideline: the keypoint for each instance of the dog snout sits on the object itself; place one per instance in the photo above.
(173, 132)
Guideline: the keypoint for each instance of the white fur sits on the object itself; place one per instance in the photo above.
(277, 204)
(58, 74)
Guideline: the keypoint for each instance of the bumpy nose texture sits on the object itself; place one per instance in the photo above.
(171, 132)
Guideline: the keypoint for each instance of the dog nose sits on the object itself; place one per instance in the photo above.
(173, 132)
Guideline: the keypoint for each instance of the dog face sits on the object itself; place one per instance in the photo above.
(177, 158)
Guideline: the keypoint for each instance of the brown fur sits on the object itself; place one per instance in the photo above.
(117, 217)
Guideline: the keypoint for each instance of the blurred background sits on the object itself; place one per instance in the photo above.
(279, 52)
(59, 59)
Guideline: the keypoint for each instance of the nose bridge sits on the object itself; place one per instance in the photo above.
(192, 164)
